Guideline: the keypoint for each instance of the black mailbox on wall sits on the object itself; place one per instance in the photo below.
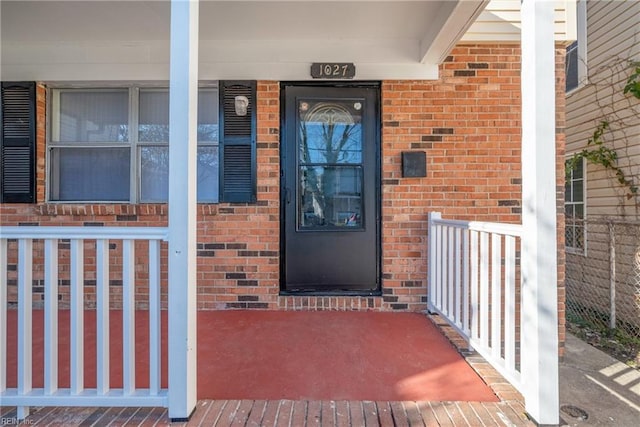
(414, 164)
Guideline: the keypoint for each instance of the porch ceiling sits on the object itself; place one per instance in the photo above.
(127, 40)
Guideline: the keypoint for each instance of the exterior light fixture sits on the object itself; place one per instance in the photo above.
(241, 103)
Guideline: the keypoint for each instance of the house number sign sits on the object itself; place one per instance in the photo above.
(333, 70)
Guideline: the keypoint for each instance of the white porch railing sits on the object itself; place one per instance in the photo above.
(475, 283)
(80, 238)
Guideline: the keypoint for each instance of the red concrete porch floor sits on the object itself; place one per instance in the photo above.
(268, 367)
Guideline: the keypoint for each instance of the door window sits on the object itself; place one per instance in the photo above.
(330, 165)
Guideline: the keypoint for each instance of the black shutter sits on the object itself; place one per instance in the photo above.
(237, 143)
(18, 145)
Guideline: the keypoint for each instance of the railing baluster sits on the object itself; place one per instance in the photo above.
(475, 313)
(442, 289)
(154, 317)
(465, 282)
(443, 266)
(102, 316)
(3, 315)
(451, 278)
(128, 318)
(77, 316)
(445, 276)
(433, 260)
(25, 320)
(50, 316)
(457, 260)
(510, 302)
(496, 295)
(484, 288)
(438, 266)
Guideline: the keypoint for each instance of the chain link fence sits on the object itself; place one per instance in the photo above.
(603, 281)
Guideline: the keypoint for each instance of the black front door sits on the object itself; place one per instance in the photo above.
(330, 183)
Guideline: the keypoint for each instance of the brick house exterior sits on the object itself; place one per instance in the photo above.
(466, 85)
(467, 122)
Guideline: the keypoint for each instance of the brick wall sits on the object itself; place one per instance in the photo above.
(467, 122)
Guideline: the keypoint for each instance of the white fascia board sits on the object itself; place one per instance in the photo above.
(59, 73)
(375, 59)
(455, 17)
(301, 71)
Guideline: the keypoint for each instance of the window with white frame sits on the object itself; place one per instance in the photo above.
(112, 144)
(574, 207)
(576, 55)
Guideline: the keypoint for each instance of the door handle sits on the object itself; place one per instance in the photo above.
(287, 195)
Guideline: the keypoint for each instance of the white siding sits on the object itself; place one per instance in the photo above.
(500, 21)
(613, 38)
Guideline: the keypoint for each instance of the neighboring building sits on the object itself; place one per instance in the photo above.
(303, 198)
(602, 214)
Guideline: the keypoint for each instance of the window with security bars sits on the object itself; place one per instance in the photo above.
(574, 208)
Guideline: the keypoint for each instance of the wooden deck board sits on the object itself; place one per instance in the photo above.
(290, 413)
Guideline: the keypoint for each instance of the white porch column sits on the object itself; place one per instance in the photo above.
(539, 243)
(183, 106)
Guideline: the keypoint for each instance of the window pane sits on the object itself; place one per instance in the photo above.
(578, 190)
(208, 174)
(153, 123)
(90, 174)
(574, 207)
(568, 210)
(154, 174)
(330, 132)
(98, 116)
(330, 197)
(571, 67)
(208, 115)
(154, 116)
(578, 170)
